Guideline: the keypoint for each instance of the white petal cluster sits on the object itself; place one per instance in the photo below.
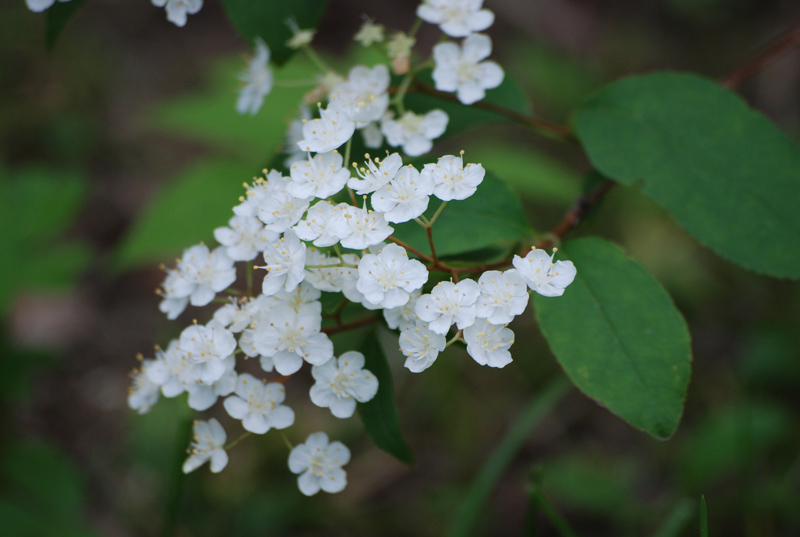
(328, 132)
(364, 228)
(206, 349)
(341, 382)
(388, 278)
(504, 295)
(544, 276)
(143, 393)
(291, 336)
(285, 260)
(453, 180)
(460, 69)
(257, 81)
(258, 405)
(179, 10)
(414, 132)
(319, 463)
(208, 445)
(376, 174)
(324, 224)
(421, 346)
(405, 197)
(456, 18)
(199, 275)
(244, 238)
(449, 303)
(362, 96)
(320, 176)
(488, 343)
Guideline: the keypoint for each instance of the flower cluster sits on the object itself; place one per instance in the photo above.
(316, 236)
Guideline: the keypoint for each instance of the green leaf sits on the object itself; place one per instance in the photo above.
(727, 174)
(508, 96)
(267, 20)
(492, 216)
(56, 17)
(184, 213)
(380, 414)
(619, 337)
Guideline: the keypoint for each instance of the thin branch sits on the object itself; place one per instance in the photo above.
(543, 125)
(349, 326)
(578, 212)
(411, 249)
(433, 248)
(759, 62)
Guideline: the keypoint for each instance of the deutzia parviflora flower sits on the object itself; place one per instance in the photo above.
(244, 238)
(341, 382)
(403, 316)
(206, 348)
(377, 173)
(406, 197)
(285, 260)
(449, 303)
(177, 10)
(453, 180)
(143, 393)
(388, 278)
(460, 69)
(291, 336)
(369, 33)
(421, 346)
(199, 275)
(488, 343)
(257, 81)
(504, 295)
(456, 18)
(362, 96)
(209, 439)
(326, 133)
(415, 132)
(544, 276)
(364, 228)
(293, 135)
(258, 405)
(203, 397)
(258, 192)
(324, 224)
(320, 176)
(280, 210)
(319, 463)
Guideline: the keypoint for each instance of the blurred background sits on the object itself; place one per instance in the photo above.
(114, 148)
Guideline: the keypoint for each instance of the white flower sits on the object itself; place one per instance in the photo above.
(280, 209)
(206, 349)
(460, 69)
(244, 237)
(258, 405)
(406, 197)
(456, 18)
(167, 370)
(291, 336)
(238, 315)
(199, 275)
(421, 346)
(488, 343)
(332, 129)
(453, 180)
(377, 173)
(363, 95)
(369, 33)
(293, 135)
(257, 81)
(320, 176)
(177, 10)
(372, 135)
(203, 397)
(143, 393)
(209, 442)
(258, 192)
(405, 315)
(364, 228)
(341, 382)
(285, 260)
(40, 5)
(544, 276)
(415, 132)
(324, 224)
(320, 464)
(504, 295)
(449, 303)
(304, 295)
(399, 50)
(387, 279)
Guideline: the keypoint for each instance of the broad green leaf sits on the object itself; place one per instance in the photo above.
(727, 174)
(491, 217)
(508, 95)
(184, 213)
(56, 17)
(619, 337)
(380, 414)
(268, 20)
(210, 116)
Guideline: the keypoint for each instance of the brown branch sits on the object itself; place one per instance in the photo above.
(537, 123)
(578, 212)
(433, 248)
(349, 326)
(411, 249)
(759, 62)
